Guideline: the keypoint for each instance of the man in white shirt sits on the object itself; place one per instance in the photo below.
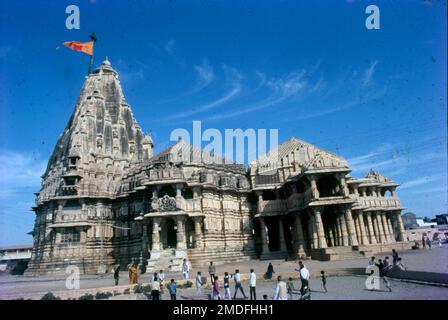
(237, 278)
(304, 275)
(252, 284)
(199, 283)
(280, 290)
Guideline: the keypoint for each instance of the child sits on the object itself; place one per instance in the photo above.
(290, 287)
(227, 294)
(172, 288)
(324, 281)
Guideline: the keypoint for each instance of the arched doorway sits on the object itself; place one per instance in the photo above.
(171, 237)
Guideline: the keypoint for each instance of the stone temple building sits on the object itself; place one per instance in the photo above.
(107, 200)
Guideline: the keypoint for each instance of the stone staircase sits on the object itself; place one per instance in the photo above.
(169, 260)
(336, 253)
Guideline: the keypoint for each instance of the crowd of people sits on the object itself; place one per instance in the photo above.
(284, 289)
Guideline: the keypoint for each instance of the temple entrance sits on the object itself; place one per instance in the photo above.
(272, 235)
(171, 237)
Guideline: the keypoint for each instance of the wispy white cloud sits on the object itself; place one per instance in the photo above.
(233, 77)
(205, 76)
(282, 88)
(18, 171)
(419, 181)
(368, 73)
(169, 46)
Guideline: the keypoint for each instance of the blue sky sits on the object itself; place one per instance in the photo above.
(308, 68)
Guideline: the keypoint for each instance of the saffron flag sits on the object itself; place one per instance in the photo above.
(86, 47)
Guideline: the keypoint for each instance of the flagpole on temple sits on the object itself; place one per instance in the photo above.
(94, 39)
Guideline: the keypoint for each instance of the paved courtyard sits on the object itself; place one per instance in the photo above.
(340, 285)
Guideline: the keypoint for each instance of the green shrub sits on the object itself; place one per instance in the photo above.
(187, 284)
(86, 296)
(49, 296)
(127, 291)
(103, 295)
(142, 289)
(116, 293)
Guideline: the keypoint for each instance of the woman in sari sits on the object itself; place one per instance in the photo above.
(133, 274)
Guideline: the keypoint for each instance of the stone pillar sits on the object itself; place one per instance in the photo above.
(281, 235)
(400, 227)
(180, 234)
(375, 228)
(343, 185)
(352, 240)
(155, 234)
(357, 228)
(363, 228)
(145, 240)
(379, 227)
(391, 229)
(264, 247)
(387, 236)
(372, 237)
(337, 231)
(314, 189)
(300, 246)
(345, 235)
(260, 201)
(321, 241)
(312, 232)
(197, 232)
(393, 193)
(330, 241)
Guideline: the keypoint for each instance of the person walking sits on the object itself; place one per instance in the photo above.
(212, 271)
(117, 275)
(237, 279)
(198, 283)
(394, 257)
(269, 271)
(161, 280)
(280, 290)
(304, 275)
(252, 285)
(382, 272)
(155, 288)
(371, 261)
(324, 281)
(227, 294)
(186, 269)
(172, 288)
(428, 242)
(424, 241)
(216, 289)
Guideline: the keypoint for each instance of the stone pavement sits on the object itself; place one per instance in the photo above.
(435, 260)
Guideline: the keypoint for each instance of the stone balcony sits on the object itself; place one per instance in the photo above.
(374, 202)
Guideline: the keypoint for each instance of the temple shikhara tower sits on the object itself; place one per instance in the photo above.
(106, 200)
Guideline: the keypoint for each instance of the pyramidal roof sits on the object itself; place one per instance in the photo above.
(299, 152)
(102, 134)
(183, 151)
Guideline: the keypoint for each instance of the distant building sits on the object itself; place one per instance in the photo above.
(409, 220)
(15, 259)
(422, 223)
(442, 218)
(433, 233)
